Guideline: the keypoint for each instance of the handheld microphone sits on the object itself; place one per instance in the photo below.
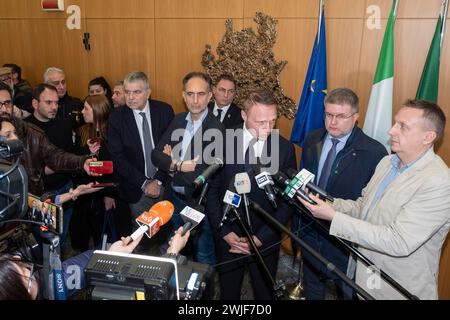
(243, 186)
(191, 218)
(305, 178)
(230, 199)
(283, 180)
(151, 221)
(265, 182)
(201, 179)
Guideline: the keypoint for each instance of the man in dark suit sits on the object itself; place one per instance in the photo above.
(343, 159)
(133, 132)
(255, 141)
(69, 107)
(223, 107)
(185, 151)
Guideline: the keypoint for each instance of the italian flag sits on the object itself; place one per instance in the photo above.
(429, 82)
(378, 119)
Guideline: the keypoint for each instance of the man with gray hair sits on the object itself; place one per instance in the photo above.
(69, 107)
(133, 132)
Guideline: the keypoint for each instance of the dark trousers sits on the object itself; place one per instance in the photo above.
(231, 274)
(315, 273)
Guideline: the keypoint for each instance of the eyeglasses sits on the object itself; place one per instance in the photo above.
(7, 104)
(30, 278)
(339, 116)
(5, 79)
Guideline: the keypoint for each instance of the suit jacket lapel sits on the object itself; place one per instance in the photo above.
(134, 131)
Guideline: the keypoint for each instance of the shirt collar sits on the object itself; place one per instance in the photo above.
(146, 109)
(189, 117)
(224, 109)
(395, 161)
(341, 139)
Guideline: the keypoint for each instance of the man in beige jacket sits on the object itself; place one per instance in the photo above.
(403, 216)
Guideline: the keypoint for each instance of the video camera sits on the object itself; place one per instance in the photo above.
(20, 210)
(118, 276)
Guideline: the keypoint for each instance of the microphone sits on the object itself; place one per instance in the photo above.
(264, 181)
(305, 178)
(191, 218)
(201, 179)
(230, 199)
(151, 221)
(283, 180)
(101, 167)
(243, 186)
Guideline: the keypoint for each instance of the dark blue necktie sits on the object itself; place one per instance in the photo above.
(149, 167)
(326, 169)
(219, 114)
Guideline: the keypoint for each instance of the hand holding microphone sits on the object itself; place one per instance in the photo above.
(178, 241)
(321, 209)
(151, 221)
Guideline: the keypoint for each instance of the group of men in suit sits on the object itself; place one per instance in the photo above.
(157, 155)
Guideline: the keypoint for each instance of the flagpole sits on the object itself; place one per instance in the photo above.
(444, 17)
(322, 3)
(395, 8)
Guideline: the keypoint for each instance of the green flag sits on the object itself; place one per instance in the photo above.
(429, 82)
(378, 119)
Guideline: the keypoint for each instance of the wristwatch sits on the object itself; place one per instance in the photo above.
(158, 182)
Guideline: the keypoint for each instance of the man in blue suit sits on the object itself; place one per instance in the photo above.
(343, 159)
(134, 131)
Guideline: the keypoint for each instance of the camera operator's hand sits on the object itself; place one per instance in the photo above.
(177, 242)
(124, 244)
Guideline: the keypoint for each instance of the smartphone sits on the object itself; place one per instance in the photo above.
(105, 184)
(47, 212)
(95, 140)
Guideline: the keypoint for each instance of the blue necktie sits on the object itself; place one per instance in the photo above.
(219, 114)
(150, 169)
(326, 169)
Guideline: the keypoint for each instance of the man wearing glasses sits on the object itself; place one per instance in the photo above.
(20, 102)
(343, 159)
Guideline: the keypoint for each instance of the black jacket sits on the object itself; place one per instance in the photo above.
(125, 147)
(265, 232)
(355, 163)
(232, 117)
(163, 162)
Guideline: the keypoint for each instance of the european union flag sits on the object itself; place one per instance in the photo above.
(310, 113)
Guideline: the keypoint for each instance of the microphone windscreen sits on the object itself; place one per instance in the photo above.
(163, 210)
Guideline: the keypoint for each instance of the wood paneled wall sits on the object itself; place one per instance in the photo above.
(165, 38)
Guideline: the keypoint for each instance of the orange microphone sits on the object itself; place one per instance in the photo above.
(151, 221)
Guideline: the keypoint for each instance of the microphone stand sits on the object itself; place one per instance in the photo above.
(330, 266)
(278, 287)
(356, 252)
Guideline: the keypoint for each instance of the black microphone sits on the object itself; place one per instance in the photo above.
(310, 185)
(212, 168)
(264, 181)
(186, 227)
(284, 181)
